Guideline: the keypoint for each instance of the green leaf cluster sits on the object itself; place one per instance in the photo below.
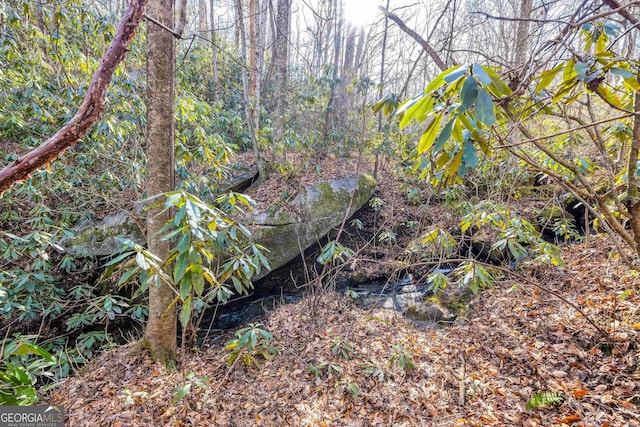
(251, 342)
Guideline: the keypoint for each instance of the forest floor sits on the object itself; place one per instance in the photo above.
(480, 371)
(339, 364)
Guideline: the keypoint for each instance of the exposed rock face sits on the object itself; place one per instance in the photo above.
(239, 182)
(95, 239)
(443, 307)
(310, 216)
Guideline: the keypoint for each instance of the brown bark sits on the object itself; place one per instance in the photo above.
(161, 329)
(214, 53)
(357, 61)
(280, 60)
(614, 4)
(349, 53)
(331, 116)
(90, 109)
(632, 178)
(522, 33)
(182, 17)
(376, 163)
(250, 82)
(202, 16)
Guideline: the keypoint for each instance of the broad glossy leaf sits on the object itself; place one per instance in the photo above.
(444, 135)
(569, 73)
(414, 110)
(481, 74)
(609, 96)
(439, 80)
(581, 70)
(180, 267)
(601, 44)
(172, 200)
(455, 164)
(456, 74)
(469, 93)
(442, 160)
(564, 89)
(429, 135)
(185, 313)
(470, 155)
(126, 276)
(497, 87)
(633, 83)
(185, 286)
(546, 77)
(485, 109)
(198, 283)
(119, 258)
(185, 242)
(621, 72)
(142, 261)
(408, 104)
(457, 130)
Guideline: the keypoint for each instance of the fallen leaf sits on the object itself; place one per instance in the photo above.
(579, 394)
(570, 419)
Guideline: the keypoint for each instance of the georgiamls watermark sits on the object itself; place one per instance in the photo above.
(31, 416)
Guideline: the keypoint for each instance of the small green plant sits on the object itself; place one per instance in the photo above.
(387, 237)
(437, 281)
(350, 387)
(330, 367)
(185, 387)
(341, 348)
(250, 343)
(350, 293)
(357, 224)
(544, 399)
(333, 251)
(435, 243)
(378, 370)
(377, 203)
(402, 359)
(22, 364)
(474, 275)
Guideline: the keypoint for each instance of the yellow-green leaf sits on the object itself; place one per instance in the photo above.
(429, 135)
(547, 77)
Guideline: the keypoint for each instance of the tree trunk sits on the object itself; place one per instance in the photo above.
(280, 60)
(330, 110)
(182, 17)
(202, 18)
(376, 163)
(357, 61)
(633, 195)
(250, 82)
(161, 327)
(214, 53)
(349, 53)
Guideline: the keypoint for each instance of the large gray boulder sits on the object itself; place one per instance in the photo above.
(310, 216)
(102, 238)
(285, 231)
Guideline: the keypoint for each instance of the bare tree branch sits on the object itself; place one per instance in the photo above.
(422, 42)
(90, 109)
(621, 8)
